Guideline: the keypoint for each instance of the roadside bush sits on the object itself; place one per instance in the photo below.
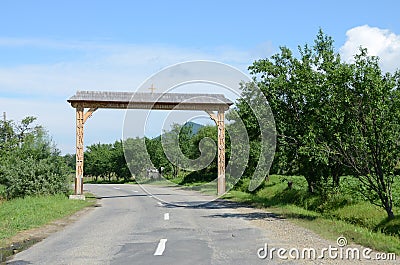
(30, 164)
(24, 177)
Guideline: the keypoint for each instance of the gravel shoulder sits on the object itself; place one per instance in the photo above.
(295, 236)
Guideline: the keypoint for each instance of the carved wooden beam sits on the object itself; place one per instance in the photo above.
(88, 114)
(213, 116)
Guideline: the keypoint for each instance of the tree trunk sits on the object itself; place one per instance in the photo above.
(336, 177)
(310, 186)
(389, 211)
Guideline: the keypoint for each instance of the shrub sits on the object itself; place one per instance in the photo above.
(24, 177)
(29, 161)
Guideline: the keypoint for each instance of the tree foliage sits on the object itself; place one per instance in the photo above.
(30, 163)
(367, 141)
(332, 118)
(106, 161)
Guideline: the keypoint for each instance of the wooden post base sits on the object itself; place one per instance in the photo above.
(77, 197)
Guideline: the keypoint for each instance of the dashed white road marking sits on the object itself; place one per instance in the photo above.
(161, 247)
(160, 203)
(116, 188)
(134, 190)
(150, 196)
(166, 216)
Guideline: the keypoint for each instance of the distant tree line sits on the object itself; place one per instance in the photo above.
(132, 158)
(106, 161)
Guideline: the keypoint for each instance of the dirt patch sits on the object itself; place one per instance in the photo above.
(27, 238)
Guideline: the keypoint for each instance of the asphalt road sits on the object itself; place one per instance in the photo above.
(135, 227)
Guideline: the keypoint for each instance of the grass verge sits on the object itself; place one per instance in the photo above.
(22, 214)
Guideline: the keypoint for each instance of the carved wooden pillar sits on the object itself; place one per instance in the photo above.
(79, 150)
(221, 152)
(81, 118)
(219, 120)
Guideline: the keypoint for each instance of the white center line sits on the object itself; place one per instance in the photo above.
(134, 190)
(166, 216)
(161, 247)
(116, 188)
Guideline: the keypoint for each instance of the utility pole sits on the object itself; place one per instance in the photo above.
(4, 125)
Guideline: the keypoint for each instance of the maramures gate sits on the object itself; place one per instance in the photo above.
(87, 102)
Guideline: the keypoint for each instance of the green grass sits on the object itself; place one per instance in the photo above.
(25, 213)
(339, 212)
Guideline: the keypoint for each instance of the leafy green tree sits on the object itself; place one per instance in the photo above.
(172, 150)
(158, 157)
(204, 148)
(106, 161)
(30, 163)
(120, 167)
(8, 139)
(332, 118)
(368, 129)
(137, 157)
(70, 161)
(206, 139)
(292, 87)
(98, 161)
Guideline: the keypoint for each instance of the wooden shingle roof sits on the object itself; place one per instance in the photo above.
(142, 100)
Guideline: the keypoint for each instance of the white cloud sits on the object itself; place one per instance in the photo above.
(379, 42)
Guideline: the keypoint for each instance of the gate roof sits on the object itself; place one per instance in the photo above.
(142, 100)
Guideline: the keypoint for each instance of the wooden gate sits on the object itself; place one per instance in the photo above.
(87, 102)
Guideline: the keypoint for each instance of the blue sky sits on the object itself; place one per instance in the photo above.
(50, 49)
